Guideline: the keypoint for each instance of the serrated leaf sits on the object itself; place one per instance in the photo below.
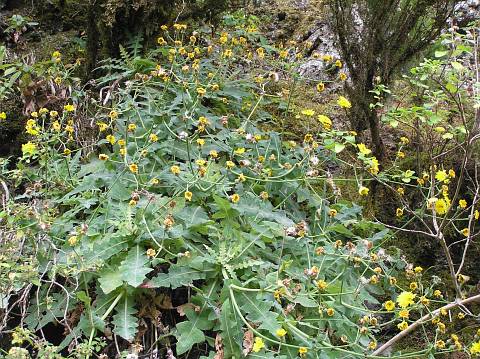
(124, 321)
(258, 311)
(231, 332)
(110, 280)
(187, 335)
(176, 277)
(132, 269)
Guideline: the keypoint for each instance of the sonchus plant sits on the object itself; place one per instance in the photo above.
(190, 232)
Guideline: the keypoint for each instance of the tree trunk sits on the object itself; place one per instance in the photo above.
(92, 40)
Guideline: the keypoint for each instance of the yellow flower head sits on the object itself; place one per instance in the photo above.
(402, 326)
(441, 206)
(153, 137)
(399, 212)
(151, 252)
(69, 108)
(281, 332)
(441, 176)
(405, 299)
(462, 203)
(3, 116)
(325, 121)
(389, 305)
(103, 157)
(364, 149)
(475, 348)
(188, 195)
(308, 112)
(133, 168)
(111, 139)
(258, 345)
(29, 148)
(235, 198)
(363, 191)
(320, 87)
(175, 170)
(343, 102)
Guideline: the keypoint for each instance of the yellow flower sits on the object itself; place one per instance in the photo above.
(404, 140)
(401, 154)
(29, 148)
(302, 351)
(477, 214)
(440, 344)
(230, 164)
(154, 181)
(401, 191)
(451, 173)
(239, 151)
(161, 41)
(405, 299)
(343, 102)
(258, 345)
(281, 332)
(111, 139)
(462, 203)
(56, 54)
(403, 325)
(131, 127)
(72, 240)
(151, 252)
(188, 195)
(308, 112)
(325, 121)
(235, 198)
(3, 116)
(475, 348)
(113, 115)
(372, 345)
(418, 269)
(437, 293)
(413, 286)
(364, 149)
(56, 126)
(322, 285)
(404, 313)
(389, 305)
(67, 151)
(441, 176)
(200, 142)
(330, 312)
(175, 170)
(332, 212)
(133, 168)
(320, 87)
(363, 191)
(343, 76)
(102, 126)
(465, 232)
(69, 108)
(201, 91)
(213, 153)
(264, 195)
(260, 52)
(153, 137)
(441, 206)
(102, 157)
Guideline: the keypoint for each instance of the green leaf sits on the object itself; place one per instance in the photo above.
(187, 335)
(439, 53)
(231, 333)
(306, 302)
(124, 320)
(176, 277)
(258, 311)
(110, 280)
(132, 269)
